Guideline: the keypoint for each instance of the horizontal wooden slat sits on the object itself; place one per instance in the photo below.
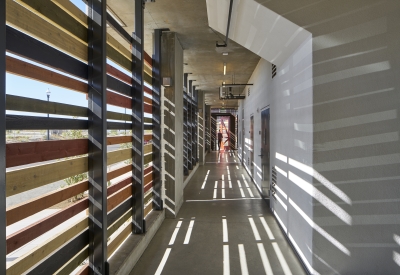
(148, 148)
(119, 140)
(73, 263)
(118, 240)
(23, 19)
(25, 235)
(118, 156)
(148, 186)
(147, 179)
(148, 137)
(148, 158)
(15, 122)
(118, 116)
(118, 186)
(119, 100)
(148, 109)
(60, 257)
(31, 207)
(34, 256)
(118, 86)
(147, 209)
(31, 152)
(118, 74)
(118, 172)
(114, 227)
(121, 195)
(147, 198)
(50, 12)
(22, 180)
(117, 212)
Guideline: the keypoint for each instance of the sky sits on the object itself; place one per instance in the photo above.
(21, 86)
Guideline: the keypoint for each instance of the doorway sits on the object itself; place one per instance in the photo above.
(251, 147)
(265, 152)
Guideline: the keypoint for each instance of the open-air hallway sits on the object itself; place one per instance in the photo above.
(223, 227)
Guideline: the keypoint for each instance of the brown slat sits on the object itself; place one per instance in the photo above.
(23, 236)
(147, 179)
(119, 140)
(148, 170)
(118, 172)
(22, 68)
(147, 90)
(148, 101)
(118, 74)
(148, 186)
(118, 186)
(115, 199)
(117, 241)
(26, 209)
(31, 152)
(148, 108)
(148, 209)
(119, 100)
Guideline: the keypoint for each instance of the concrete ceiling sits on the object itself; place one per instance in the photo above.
(188, 18)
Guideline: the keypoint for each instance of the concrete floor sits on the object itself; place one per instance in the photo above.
(223, 227)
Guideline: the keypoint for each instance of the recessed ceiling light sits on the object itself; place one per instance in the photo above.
(224, 53)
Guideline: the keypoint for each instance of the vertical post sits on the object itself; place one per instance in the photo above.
(3, 136)
(156, 112)
(138, 121)
(97, 118)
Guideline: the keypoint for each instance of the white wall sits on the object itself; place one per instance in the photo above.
(290, 88)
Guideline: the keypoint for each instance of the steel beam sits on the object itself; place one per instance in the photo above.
(138, 223)
(2, 136)
(97, 129)
(156, 111)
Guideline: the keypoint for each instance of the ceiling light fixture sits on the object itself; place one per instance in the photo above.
(224, 68)
(224, 53)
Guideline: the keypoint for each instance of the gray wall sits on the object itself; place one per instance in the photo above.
(341, 131)
(172, 66)
(283, 96)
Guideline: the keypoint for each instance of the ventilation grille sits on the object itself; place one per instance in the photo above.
(273, 70)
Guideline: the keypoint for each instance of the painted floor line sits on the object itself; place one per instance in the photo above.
(255, 230)
(264, 259)
(243, 261)
(227, 270)
(173, 237)
(281, 259)
(189, 232)
(163, 261)
(267, 229)
(224, 231)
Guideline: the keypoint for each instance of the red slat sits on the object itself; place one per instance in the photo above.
(31, 152)
(119, 100)
(118, 74)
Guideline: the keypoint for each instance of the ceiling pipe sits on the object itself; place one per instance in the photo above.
(227, 27)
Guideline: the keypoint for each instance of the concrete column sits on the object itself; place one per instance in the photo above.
(201, 128)
(172, 67)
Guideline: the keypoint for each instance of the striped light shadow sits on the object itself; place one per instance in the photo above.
(237, 167)
(216, 184)
(240, 185)
(264, 259)
(223, 193)
(223, 184)
(215, 194)
(243, 261)
(229, 177)
(189, 232)
(242, 193)
(250, 193)
(223, 177)
(173, 237)
(230, 184)
(281, 259)
(267, 229)
(163, 261)
(255, 230)
(224, 231)
(226, 260)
